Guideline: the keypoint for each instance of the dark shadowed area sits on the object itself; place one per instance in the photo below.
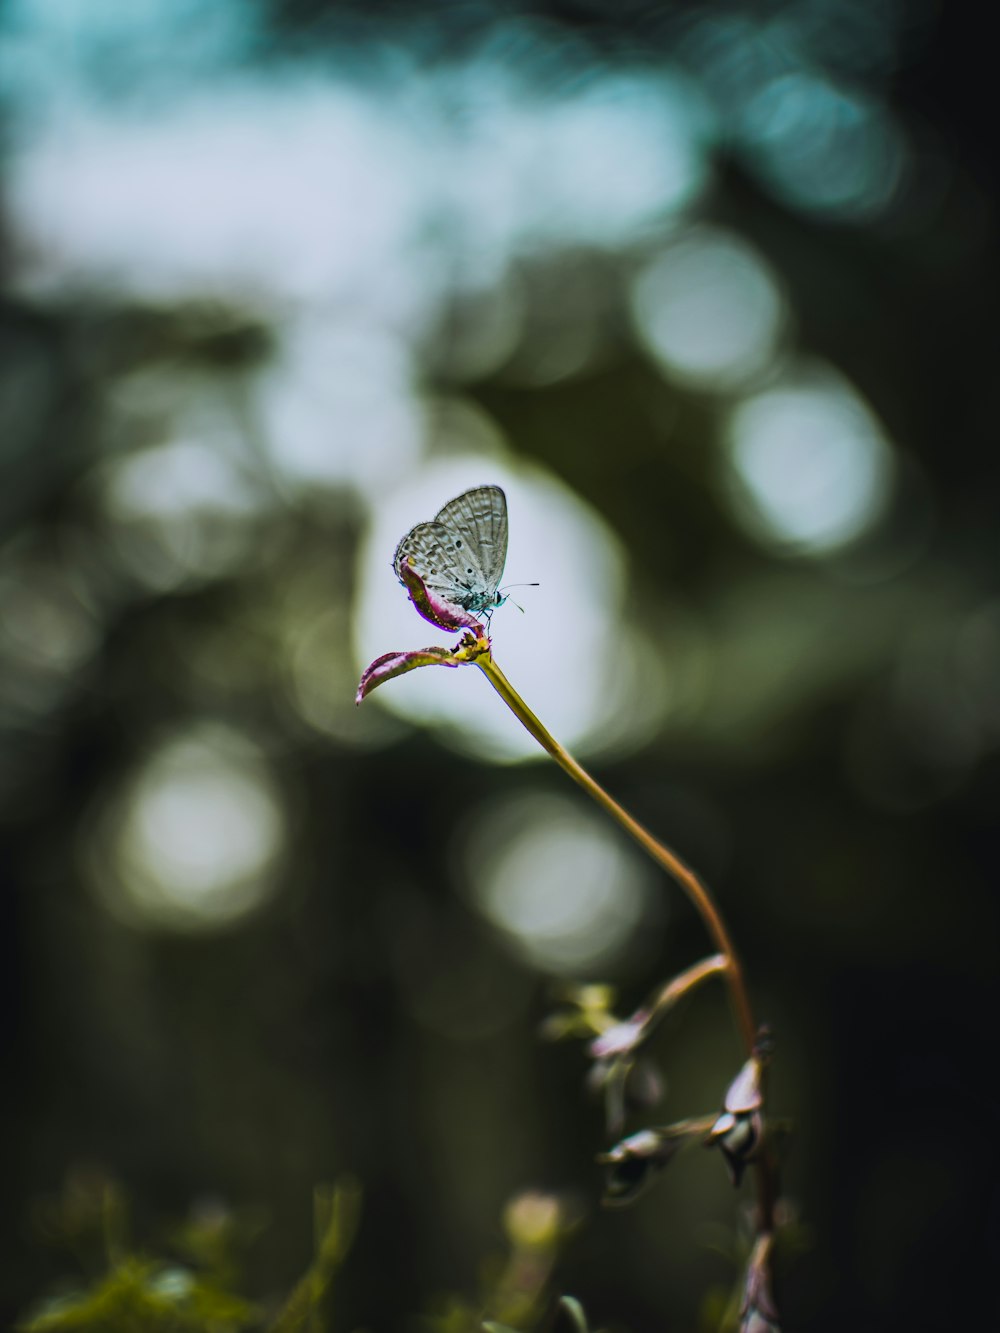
(710, 291)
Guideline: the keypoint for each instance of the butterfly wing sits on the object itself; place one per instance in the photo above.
(477, 522)
(428, 548)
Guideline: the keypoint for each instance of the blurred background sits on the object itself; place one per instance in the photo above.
(709, 289)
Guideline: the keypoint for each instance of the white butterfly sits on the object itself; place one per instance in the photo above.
(461, 554)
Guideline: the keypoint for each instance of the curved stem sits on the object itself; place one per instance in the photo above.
(693, 887)
(668, 860)
(668, 995)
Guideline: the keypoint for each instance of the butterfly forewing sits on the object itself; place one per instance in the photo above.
(479, 518)
(461, 554)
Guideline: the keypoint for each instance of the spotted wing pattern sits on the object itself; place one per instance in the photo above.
(461, 555)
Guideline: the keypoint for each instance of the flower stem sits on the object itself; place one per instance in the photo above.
(669, 994)
(693, 887)
(664, 857)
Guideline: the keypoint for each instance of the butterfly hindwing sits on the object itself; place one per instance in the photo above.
(429, 548)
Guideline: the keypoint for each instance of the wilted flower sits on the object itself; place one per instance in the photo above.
(738, 1138)
(755, 1322)
(739, 1129)
(618, 1074)
(634, 1162)
(758, 1312)
(624, 1081)
(619, 1071)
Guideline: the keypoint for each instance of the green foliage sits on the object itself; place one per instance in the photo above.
(337, 1212)
(517, 1292)
(146, 1296)
(140, 1293)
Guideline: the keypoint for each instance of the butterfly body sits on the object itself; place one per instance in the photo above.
(460, 555)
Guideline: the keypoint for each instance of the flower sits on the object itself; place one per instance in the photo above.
(624, 1081)
(634, 1162)
(758, 1312)
(738, 1130)
(618, 1071)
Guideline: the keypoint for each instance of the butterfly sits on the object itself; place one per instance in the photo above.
(461, 554)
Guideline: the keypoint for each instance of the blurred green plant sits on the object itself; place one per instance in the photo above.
(517, 1290)
(136, 1291)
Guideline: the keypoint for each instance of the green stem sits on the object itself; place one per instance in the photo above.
(693, 887)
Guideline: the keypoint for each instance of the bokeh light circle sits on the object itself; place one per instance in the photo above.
(560, 884)
(810, 467)
(709, 309)
(194, 840)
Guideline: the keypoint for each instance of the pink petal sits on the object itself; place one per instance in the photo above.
(446, 615)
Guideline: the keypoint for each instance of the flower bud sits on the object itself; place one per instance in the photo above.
(739, 1129)
(633, 1164)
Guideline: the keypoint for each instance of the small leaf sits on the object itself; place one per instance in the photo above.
(444, 614)
(337, 1213)
(571, 1314)
(397, 664)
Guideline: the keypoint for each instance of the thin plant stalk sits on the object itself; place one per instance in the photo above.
(688, 980)
(693, 887)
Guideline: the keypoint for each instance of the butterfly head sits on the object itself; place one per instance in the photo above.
(501, 597)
